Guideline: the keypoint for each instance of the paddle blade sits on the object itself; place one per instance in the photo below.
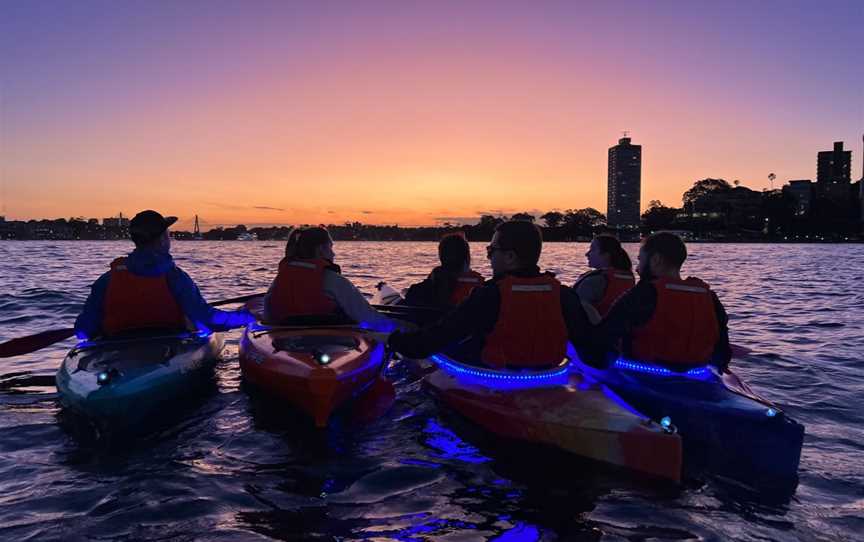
(32, 343)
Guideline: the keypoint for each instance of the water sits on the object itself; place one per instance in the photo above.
(232, 468)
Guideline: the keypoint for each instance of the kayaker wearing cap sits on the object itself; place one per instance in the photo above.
(450, 283)
(665, 319)
(146, 289)
(519, 318)
(308, 283)
(612, 275)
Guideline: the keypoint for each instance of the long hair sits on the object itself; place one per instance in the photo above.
(291, 244)
(454, 252)
(618, 257)
(303, 243)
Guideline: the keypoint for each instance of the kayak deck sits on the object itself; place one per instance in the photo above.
(725, 426)
(565, 411)
(124, 381)
(316, 369)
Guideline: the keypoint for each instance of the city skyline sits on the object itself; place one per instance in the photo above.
(414, 115)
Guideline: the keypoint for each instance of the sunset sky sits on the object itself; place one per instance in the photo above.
(406, 112)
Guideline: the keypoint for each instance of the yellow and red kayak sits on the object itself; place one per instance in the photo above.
(316, 369)
(560, 408)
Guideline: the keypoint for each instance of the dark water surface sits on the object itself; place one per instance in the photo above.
(231, 467)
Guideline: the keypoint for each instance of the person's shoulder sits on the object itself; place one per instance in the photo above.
(337, 281)
(642, 289)
(592, 277)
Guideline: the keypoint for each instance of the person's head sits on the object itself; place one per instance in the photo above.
(661, 255)
(515, 245)
(291, 244)
(314, 243)
(605, 252)
(149, 229)
(454, 253)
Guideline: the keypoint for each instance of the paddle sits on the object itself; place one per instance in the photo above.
(32, 343)
(38, 341)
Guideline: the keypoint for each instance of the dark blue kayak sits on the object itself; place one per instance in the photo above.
(120, 382)
(726, 427)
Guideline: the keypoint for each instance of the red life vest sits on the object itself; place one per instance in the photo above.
(683, 329)
(299, 290)
(617, 282)
(530, 331)
(138, 302)
(465, 283)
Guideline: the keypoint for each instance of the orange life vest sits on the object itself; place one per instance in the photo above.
(530, 331)
(617, 282)
(138, 302)
(465, 283)
(299, 290)
(683, 329)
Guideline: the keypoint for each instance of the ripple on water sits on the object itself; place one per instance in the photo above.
(230, 466)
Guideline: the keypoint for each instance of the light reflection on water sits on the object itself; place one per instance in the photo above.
(234, 468)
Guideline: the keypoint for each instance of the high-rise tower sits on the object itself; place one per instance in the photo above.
(834, 172)
(861, 186)
(625, 185)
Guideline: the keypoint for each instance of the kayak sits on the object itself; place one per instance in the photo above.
(123, 381)
(316, 369)
(558, 407)
(725, 426)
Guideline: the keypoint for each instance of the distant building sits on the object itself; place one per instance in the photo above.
(115, 222)
(625, 185)
(834, 172)
(861, 188)
(802, 191)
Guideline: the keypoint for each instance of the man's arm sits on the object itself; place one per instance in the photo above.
(89, 322)
(634, 308)
(421, 294)
(475, 316)
(591, 288)
(194, 306)
(722, 351)
(578, 326)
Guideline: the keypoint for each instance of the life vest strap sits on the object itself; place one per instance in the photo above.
(306, 265)
(685, 288)
(531, 288)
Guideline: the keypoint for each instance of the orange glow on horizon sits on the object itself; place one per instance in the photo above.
(382, 122)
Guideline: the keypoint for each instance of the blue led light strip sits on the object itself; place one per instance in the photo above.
(648, 368)
(459, 368)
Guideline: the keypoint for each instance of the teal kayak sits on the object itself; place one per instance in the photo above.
(122, 381)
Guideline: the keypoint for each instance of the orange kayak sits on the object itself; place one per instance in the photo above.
(316, 369)
(564, 411)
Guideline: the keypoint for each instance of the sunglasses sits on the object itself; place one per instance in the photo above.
(492, 248)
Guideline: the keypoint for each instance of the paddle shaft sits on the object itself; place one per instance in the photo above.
(38, 341)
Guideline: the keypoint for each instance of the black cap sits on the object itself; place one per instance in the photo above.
(148, 225)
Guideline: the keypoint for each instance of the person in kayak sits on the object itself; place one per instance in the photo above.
(611, 275)
(664, 319)
(145, 289)
(309, 284)
(521, 318)
(450, 283)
